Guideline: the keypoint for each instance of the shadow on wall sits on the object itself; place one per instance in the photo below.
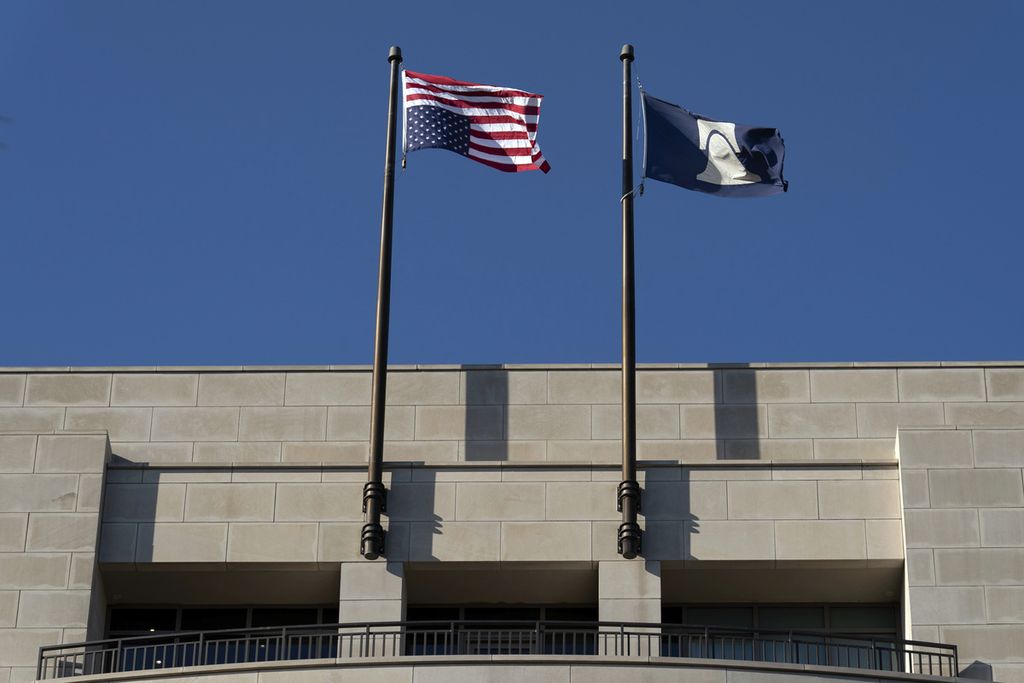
(486, 403)
(737, 428)
(412, 516)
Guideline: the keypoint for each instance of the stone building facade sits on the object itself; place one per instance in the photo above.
(772, 495)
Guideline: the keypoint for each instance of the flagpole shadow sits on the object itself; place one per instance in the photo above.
(737, 422)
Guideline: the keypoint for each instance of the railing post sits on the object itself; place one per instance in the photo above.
(790, 652)
(118, 655)
(39, 666)
(283, 645)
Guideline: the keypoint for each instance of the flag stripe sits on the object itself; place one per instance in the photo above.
(466, 94)
(464, 86)
(474, 108)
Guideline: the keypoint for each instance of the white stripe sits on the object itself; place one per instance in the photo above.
(411, 89)
(504, 144)
(472, 111)
(502, 159)
(469, 89)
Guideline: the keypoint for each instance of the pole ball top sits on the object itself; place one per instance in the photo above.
(395, 53)
(627, 52)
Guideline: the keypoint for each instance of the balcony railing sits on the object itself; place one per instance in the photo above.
(454, 638)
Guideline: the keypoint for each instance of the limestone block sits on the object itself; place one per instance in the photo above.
(874, 499)
(548, 422)
(421, 451)
(229, 502)
(158, 389)
(820, 540)
(151, 452)
(773, 500)
(224, 452)
(325, 452)
(34, 571)
(986, 643)
(352, 423)
(339, 542)
(365, 611)
(512, 451)
(319, 502)
(976, 488)
(853, 386)
(769, 449)
(765, 386)
(31, 419)
(70, 533)
(372, 581)
(567, 472)
(588, 386)
(815, 420)
(980, 567)
(53, 608)
(83, 566)
(504, 387)
(421, 502)
(629, 579)
(12, 390)
(661, 540)
(999, 448)
(176, 542)
(13, 529)
(723, 422)
(38, 492)
(573, 500)
(947, 605)
(584, 450)
(884, 539)
(117, 543)
(730, 540)
(487, 501)
(68, 390)
(684, 500)
(283, 424)
(674, 386)
(144, 503)
(941, 528)
(327, 389)
(241, 389)
(90, 491)
(652, 422)
(423, 388)
(460, 422)
(985, 414)
(123, 424)
(942, 384)
(603, 673)
(545, 541)
(455, 541)
(854, 449)
(8, 608)
(644, 611)
(1004, 604)
(915, 489)
(195, 424)
(280, 542)
(817, 471)
(71, 453)
(936, 448)
(20, 647)
(884, 419)
(17, 452)
(1002, 527)
(1005, 384)
(921, 567)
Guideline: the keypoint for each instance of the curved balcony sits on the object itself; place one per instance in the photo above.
(449, 640)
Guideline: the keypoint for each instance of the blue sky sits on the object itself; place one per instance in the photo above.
(196, 182)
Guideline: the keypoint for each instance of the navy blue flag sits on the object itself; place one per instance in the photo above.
(716, 157)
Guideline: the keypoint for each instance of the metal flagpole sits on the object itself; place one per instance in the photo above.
(371, 544)
(629, 489)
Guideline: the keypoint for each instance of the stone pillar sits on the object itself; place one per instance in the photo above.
(371, 592)
(50, 591)
(630, 591)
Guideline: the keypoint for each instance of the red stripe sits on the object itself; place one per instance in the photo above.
(508, 168)
(496, 104)
(503, 119)
(444, 80)
(499, 134)
(503, 151)
(482, 93)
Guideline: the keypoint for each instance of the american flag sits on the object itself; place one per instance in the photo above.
(490, 124)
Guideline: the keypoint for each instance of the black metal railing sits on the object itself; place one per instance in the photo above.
(454, 638)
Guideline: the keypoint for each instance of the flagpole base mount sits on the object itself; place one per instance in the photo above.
(371, 545)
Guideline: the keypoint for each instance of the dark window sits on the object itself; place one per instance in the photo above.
(863, 619)
(209, 619)
(791, 618)
(570, 613)
(141, 620)
(283, 616)
(329, 615)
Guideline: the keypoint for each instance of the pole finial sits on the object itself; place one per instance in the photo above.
(395, 53)
(627, 52)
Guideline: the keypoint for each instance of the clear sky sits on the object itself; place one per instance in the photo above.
(194, 182)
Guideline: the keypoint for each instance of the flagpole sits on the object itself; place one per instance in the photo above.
(629, 489)
(371, 544)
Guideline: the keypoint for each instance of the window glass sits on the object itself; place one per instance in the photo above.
(570, 614)
(671, 615)
(329, 616)
(207, 619)
(503, 613)
(863, 618)
(791, 618)
(283, 616)
(432, 613)
(733, 617)
(142, 620)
